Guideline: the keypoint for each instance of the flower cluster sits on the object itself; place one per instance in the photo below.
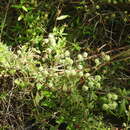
(111, 103)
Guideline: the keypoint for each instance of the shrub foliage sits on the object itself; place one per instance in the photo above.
(64, 64)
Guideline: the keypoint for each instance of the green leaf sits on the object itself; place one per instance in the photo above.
(53, 128)
(76, 47)
(20, 17)
(46, 93)
(122, 106)
(39, 86)
(62, 17)
(24, 8)
(17, 6)
(3, 95)
(48, 103)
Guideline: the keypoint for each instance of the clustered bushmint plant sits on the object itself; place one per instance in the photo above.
(53, 68)
(110, 102)
(56, 73)
(51, 76)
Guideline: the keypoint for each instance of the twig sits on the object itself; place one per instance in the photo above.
(3, 23)
(108, 52)
(100, 66)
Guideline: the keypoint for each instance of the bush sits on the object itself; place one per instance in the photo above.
(53, 78)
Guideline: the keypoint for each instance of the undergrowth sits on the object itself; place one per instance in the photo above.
(64, 65)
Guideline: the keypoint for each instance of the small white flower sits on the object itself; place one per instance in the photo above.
(50, 36)
(109, 95)
(85, 88)
(105, 106)
(43, 59)
(115, 2)
(19, 52)
(114, 97)
(106, 58)
(80, 57)
(129, 107)
(90, 78)
(113, 105)
(124, 124)
(45, 72)
(49, 50)
(69, 61)
(85, 54)
(52, 40)
(65, 88)
(97, 7)
(97, 62)
(46, 40)
(67, 53)
(80, 67)
(90, 84)
(81, 74)
(87, 75)
(62, 56)
(98, 85)
(50, 85)
(126, 12)
(97, 77)
(40, 68)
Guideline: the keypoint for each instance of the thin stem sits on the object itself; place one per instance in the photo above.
(3, 23)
